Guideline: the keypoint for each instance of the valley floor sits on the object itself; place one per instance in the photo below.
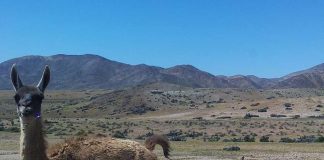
(199, 122)
(197, 150)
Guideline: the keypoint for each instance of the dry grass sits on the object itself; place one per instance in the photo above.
(67, 113)
(210, 150)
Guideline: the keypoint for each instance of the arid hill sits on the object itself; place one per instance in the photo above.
(95, 72)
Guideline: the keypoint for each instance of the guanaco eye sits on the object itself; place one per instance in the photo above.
(41, 96)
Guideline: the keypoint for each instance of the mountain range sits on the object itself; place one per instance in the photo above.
(73, 72)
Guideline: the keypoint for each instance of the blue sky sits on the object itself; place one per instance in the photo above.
(267, 38)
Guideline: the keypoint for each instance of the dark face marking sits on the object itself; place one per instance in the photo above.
(29, 100)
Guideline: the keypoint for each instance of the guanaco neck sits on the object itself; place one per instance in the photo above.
(32, 142)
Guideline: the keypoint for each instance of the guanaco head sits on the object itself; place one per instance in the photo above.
(29, 98)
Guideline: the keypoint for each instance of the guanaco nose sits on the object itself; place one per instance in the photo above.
(24, 106)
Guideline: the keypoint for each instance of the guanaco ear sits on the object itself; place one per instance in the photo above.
(16, 82)
(45, 79)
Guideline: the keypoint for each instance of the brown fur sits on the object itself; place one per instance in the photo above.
(161, 140)
(33, 146)
(102, 148)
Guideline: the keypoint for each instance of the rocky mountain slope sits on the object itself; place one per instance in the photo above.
(95, 72)
(310, 78)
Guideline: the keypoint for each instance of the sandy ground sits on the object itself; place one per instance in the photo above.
(6, 155)
(9, 155)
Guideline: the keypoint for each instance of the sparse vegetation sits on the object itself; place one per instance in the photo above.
(232, 148)
(263, 109)
(249, 115)
(220, 123)
(264, 139)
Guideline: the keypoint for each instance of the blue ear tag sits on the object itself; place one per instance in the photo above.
(37, 115)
